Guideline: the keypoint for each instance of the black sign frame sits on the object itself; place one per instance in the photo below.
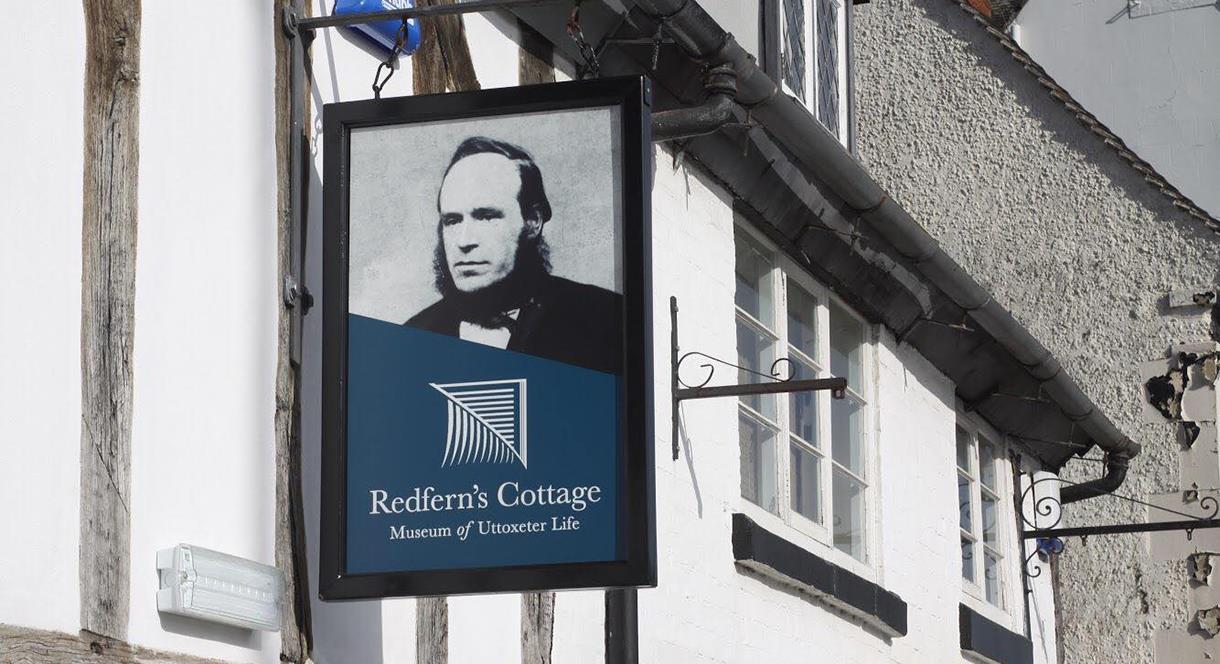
(636, 500)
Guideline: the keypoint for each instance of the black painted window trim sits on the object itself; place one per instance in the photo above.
(991, 641)
(758, 548)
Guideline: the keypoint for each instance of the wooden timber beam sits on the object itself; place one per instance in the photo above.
(108, 287)
(442, 63)
(22, 645)
(535, 63)
(537, 627)
(296, 634)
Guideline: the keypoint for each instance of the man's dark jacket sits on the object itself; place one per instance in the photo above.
(565, 321)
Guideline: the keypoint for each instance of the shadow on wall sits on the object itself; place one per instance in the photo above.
(349, 631)
(1055, 117)
(1154, 7)
(201, 629)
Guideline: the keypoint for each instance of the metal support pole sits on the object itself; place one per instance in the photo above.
(1120, 528)
(1015, 460)
(296, 296)
(622, 627)
(470, 6)
(783, 387)
(673, 377)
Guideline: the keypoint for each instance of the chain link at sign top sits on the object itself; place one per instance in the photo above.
(390, 61)
(591, 68)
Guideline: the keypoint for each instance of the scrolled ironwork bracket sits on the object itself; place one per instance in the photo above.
(1049, 508)
(781, 382)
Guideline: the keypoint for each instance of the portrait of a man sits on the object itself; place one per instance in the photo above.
(492, 267)
(499, 231)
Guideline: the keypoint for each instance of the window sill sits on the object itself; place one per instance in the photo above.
(986, 641)
(758, 549)
(807, 536)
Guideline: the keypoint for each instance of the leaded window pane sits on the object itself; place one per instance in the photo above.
(828, 64)
(792, 56)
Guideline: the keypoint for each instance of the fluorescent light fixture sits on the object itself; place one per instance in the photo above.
(213, 586)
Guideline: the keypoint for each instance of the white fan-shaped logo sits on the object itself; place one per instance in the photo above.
(486, 422)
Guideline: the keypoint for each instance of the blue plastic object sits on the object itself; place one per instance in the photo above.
(383, 33)
(1048, 546)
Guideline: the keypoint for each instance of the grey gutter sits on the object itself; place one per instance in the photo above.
(825, 159)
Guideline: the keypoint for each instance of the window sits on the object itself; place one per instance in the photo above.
(983, 510)
(803, 454)
(812, 57)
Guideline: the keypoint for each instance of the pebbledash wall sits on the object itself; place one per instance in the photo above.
(1085, 253)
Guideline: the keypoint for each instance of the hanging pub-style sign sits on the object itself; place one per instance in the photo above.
(487, 382)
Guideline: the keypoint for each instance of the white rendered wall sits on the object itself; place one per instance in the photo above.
(41, 157)
(203, 446)
(1150, 72)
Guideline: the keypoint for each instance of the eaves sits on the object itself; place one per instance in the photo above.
(797, 183)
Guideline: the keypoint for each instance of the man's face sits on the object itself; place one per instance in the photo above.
(481, 221)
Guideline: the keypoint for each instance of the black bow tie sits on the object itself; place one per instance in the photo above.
(497, 321)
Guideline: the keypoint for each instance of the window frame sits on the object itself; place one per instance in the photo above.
(775, 32)
(819, 536)
(1007, 611)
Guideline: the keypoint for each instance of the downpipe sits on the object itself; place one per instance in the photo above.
(1116, 471)
(715, 112)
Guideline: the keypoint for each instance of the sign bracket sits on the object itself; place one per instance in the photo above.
(309, 24)
(1048, 537)
(780, 382)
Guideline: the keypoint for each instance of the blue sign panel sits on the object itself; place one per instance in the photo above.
(462, 455)
(385, 34)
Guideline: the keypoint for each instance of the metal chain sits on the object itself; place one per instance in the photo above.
(592, 67)
(656, 44)
(390, 61)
